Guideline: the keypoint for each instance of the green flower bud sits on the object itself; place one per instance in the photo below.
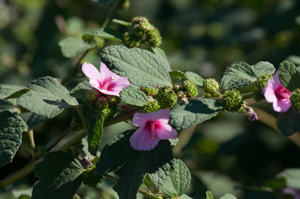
(176, 88)
(179, 95)
(99, 41)
(89, 178)
(211, 86)
(232, 101)
(92, 95)
(262, 82)
(154, 37)
(124, 4)
(39, 152)
(131, 40)
(190, 88)
(151, 91)
(113, 99)
(295, 99)
(151, 106)
(166, 98)
(76, 148)
(258, 96)
(101, 102)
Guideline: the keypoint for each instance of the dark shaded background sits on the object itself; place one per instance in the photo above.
(200, 36)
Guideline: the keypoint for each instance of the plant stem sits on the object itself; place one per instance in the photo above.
(31, 139)
(107, 19)
(59, 139)
(79, 110)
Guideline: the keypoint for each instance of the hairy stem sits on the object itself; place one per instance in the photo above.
(107, 19)
(31, 139)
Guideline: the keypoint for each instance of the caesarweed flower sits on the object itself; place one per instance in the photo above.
(277, 94)
(153, 128)
(106, 82)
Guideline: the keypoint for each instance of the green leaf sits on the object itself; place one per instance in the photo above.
(158, 51)
(288, 122)
(80, 90)
(105, 33)
(177, 74)
(11, 128)
(209, 195)
(131, 165)
(193, 112)
(134, 96)
(121, 22)
(174, 141)
(47, 97)
(150, 185)
(289, 75)
(195, 78)
(185, 197)
(292, 177)
(228, 196)
(240, 74)
(177, 182)
(141, 67)
(95, 133)
(12, 91)
(60, 176)
(71, 46)
(31, 119)
(295, 59)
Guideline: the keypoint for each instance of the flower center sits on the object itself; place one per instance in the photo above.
(151, 127)
(282, 93)
(105, 86)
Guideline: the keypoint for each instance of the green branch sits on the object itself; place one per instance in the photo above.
(107, 19)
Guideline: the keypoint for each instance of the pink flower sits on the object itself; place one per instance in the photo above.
(277, 94)
(153, 128)
(106, 82)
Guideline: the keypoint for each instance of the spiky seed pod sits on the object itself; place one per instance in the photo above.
(131, 40)
(232, 101)
(166, 97)
(190, 88)
(154, 37)
(151, 106)
(210, 86)
(89, 178)
(295, 99)
(151, 91)
(262, 82)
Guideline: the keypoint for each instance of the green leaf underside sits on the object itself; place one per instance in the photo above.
(195, 78)
(158, 51)
(11, 128)
(177, 74)
(12, 91)
(31, 119)
(60, 176)
(289, 75)
(95, 133)
(288, 122)
(47, 97)
(105, 33)
(134, 96)
(240, 74)
(141, 67)
(177, 181)
(193, 112)
(131, 165)
(80, 90)
(183, 196)
(228, 196)
(292, 176)
(209, 195)
(121, 22)
(71, 46)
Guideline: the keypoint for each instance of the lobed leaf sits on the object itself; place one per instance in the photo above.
(134, 96)
(12, 91)
(47, 97)
(71, 46)
(60, 176)
(105, 33)
(131, 165)
(11, 128)
(288, 122)
(240, 74)
(141, 67)
(193, 112)
(80, 90)
(195, 78)
(289, 75)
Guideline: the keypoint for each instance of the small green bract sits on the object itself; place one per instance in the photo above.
(295, 99)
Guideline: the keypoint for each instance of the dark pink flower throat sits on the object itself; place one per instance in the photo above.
(282, 93)
(152, 127)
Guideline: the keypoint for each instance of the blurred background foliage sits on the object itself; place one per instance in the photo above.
(227, 154)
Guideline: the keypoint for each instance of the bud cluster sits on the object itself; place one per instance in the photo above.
(190, 88)
(233, 101)
(211, 87)
(151, 106)
(295, 99)
(132, 40)
(96, 99)
(260, 84)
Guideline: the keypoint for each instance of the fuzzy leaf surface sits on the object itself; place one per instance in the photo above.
(195, 78)
(12, 91)
(177, 182)
(31, 119)
(131, 165)
(95, 133)
(11, 128)
(288, 122)
(134, 96)
(80, 90)
(177, 74)
(72, 46)
(193, 112)
(240, 74)
(141, 67)
(105, 33)
(158, 51)
(228, 196)
(60, 176)
(47, 97)
(289, 75)
(183, 196)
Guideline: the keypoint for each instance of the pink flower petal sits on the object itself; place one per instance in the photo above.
(91, 71)
(167, 132)
(135, 139)
(146, 142)
(276, 80)
(162, 115)
(281, 105)
(269, 92)
(105, 73)
(140, 119)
